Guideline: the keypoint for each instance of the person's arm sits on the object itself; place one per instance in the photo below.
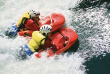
(12, 31)
(21, 26)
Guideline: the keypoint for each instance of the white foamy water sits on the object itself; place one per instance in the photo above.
(63, 65)
(93, 31)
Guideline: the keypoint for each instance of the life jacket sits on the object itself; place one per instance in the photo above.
(26, 15)
(37, 39)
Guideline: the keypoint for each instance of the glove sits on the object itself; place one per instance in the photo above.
(12, 32)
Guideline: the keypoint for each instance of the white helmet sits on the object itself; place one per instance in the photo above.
(46, 28)
(34, 13)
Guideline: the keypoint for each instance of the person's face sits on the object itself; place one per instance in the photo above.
(49, 34)
(36, 19)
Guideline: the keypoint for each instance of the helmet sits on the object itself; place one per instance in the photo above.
(34, 13)
(46, 28)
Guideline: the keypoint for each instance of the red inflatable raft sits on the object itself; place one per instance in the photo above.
(59, 36)
(58, 40)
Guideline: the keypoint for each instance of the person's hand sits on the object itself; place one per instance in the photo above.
(11, 32)
(66, 42)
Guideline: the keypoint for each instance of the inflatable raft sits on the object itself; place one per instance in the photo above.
(59, 35)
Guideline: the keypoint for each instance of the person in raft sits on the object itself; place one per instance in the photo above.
(38, 40)
(29, 21)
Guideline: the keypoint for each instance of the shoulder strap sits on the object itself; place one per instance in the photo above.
(42, 40)
(40, 46)
(24, 20)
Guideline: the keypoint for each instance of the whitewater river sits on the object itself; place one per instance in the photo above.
(92, 25)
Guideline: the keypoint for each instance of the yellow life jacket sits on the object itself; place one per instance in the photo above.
(26, 15)
(37, 40)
